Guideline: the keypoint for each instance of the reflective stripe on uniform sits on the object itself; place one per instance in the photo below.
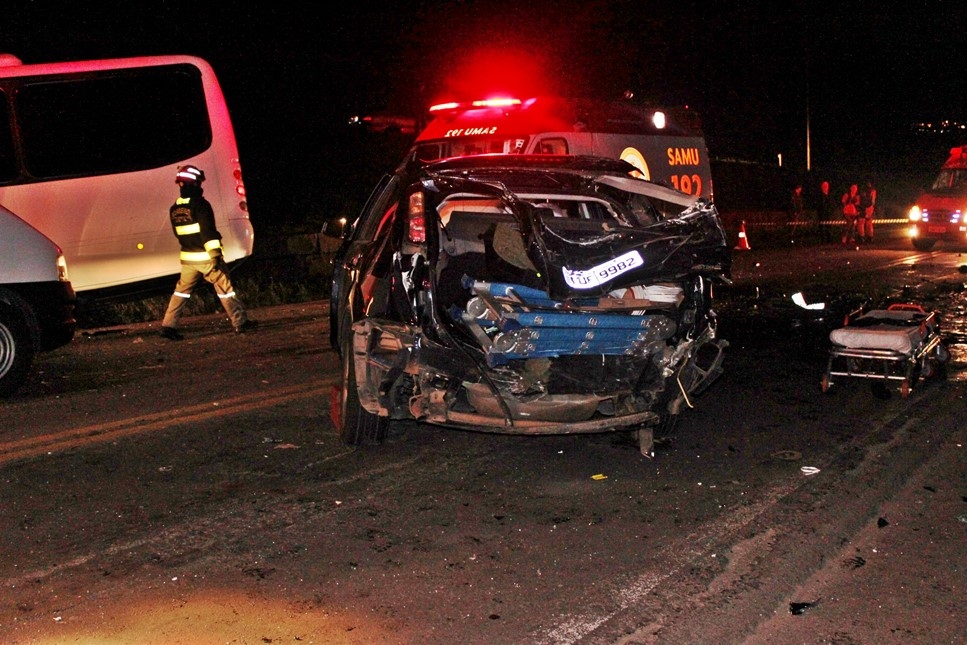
(213, 244)
(231, 294)
(182, 295)
(188, 229)
(195, 256)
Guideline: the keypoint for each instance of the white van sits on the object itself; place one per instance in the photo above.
(88, 155)
(36, 299)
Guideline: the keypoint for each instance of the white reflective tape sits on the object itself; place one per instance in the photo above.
(188, 229)
(231, 294)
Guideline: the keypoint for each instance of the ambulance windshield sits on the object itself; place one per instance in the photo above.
(950, 179)
(463, 147)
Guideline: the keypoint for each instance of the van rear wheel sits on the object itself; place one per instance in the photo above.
(16, 349)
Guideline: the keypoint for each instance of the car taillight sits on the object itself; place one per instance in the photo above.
(417, 221)
(62, 274)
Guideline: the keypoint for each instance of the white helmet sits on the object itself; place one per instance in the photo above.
(189, 174)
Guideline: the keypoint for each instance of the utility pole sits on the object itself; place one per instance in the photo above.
(809, 145)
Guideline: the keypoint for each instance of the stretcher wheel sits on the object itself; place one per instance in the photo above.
(824, 384)
(943, 354)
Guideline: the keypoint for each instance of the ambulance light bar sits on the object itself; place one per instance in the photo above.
(482, 103)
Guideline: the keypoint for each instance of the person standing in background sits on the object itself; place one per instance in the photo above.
(851, 203)
(867, 207)
(824, 212)
(795, 211)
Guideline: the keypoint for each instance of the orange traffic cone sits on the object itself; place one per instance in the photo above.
(743, 244)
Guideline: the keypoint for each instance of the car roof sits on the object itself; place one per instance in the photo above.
(531, 162)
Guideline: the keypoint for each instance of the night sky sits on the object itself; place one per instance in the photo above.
(292, 75)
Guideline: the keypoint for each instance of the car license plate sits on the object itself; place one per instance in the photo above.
(937, 229)
(595, 276)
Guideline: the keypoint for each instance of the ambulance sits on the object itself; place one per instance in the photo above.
(940, 213)
(666, 145)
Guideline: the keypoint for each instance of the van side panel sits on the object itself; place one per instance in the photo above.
(114, 229)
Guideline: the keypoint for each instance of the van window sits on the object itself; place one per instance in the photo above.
(109, 122)
(461, 148)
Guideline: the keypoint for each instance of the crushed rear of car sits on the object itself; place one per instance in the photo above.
(526, 295)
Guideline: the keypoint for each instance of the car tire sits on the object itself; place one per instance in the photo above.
(17, 349)
(359, 426)
(923, 245)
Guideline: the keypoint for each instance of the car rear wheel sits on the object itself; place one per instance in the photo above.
(16, 349)
(356, 425)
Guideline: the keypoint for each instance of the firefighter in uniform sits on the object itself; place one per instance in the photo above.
(193, 221)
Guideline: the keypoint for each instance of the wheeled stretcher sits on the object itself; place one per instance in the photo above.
(895, 347)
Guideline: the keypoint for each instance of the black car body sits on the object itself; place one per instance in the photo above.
(526, 294)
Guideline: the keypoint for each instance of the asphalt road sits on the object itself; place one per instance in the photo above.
(195, 492)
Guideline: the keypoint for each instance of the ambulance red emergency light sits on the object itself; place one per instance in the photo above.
(666, 145)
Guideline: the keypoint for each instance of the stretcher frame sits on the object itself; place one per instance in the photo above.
(886, 367)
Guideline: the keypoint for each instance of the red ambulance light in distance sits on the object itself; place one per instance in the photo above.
(444, 107)
(497, 102)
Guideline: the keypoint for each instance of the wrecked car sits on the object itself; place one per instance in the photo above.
(525, 294)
